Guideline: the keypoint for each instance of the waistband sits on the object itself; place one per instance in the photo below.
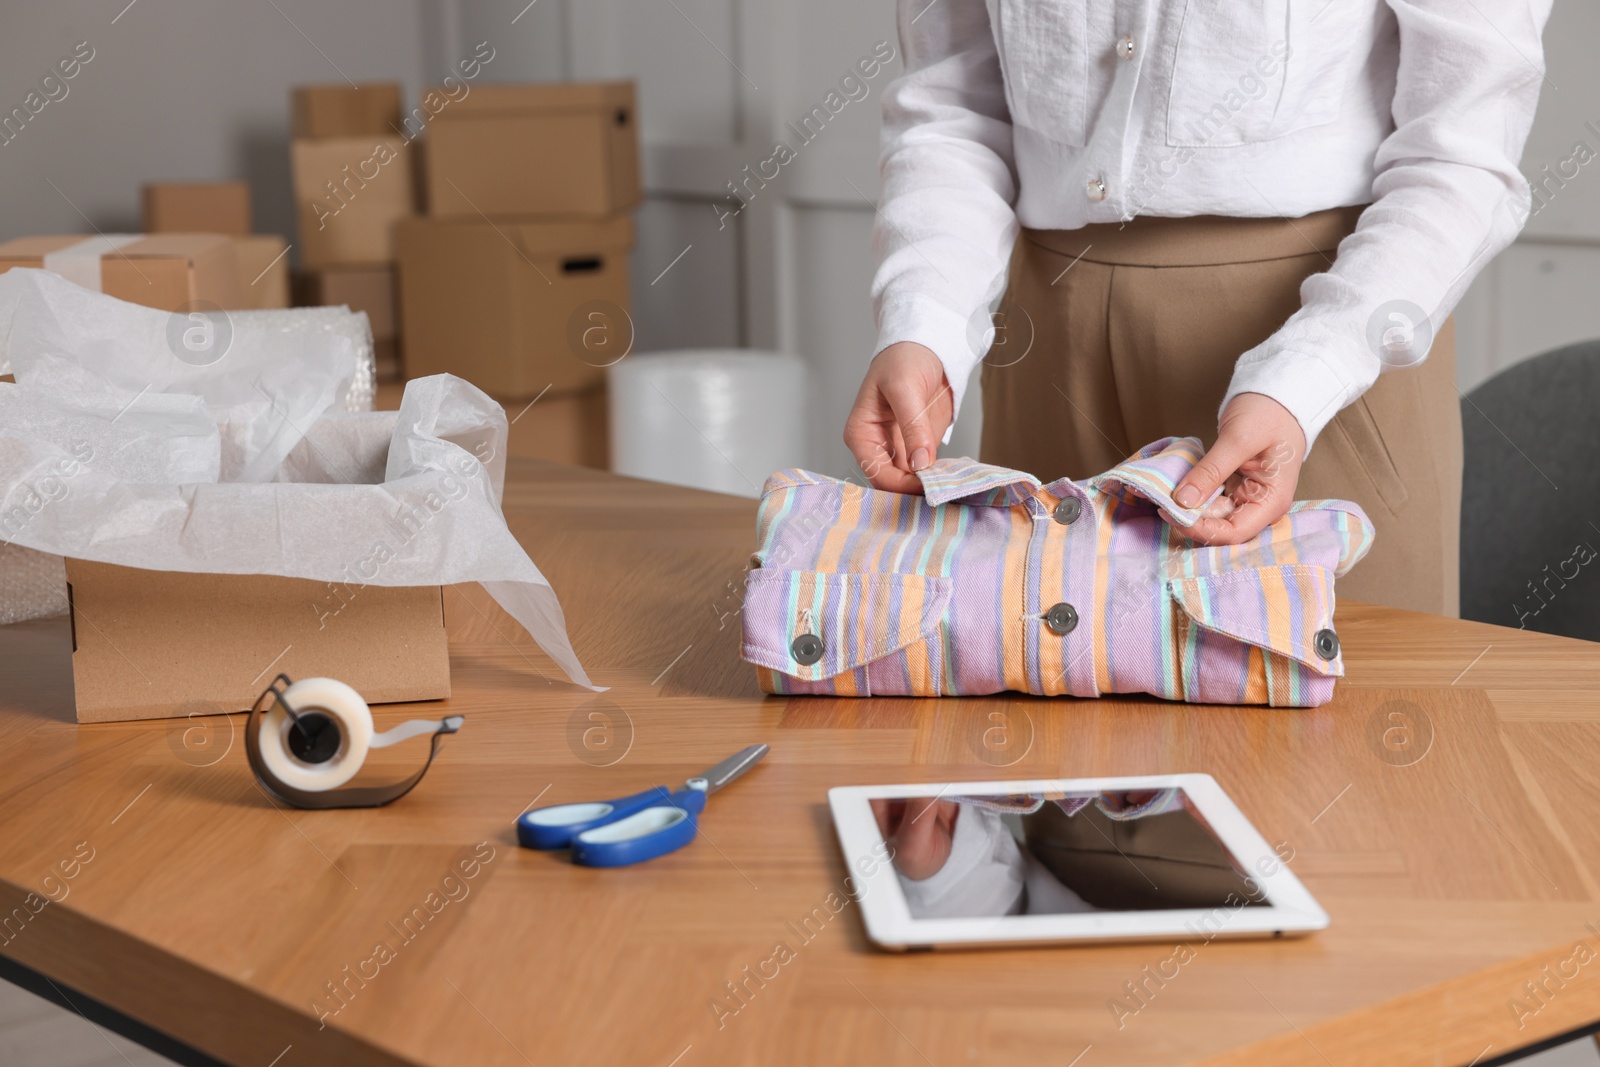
(1200, 240)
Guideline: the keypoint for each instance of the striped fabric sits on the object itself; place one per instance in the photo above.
(1117, 806)
(950, 593)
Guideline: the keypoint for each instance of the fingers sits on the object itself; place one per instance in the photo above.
(1214, 468)
(911, 414)
(897, 444)
(881, 813)
(1250, 519)
(922, 840)
(1241, 526)
(869, 434)
(1233, 520)
(881, 451)
(883, 472)
(900, 412)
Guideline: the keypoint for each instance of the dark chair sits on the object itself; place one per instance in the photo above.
(1530, 502)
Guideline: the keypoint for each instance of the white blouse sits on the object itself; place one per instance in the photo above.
(1059, 113)
(986, 874)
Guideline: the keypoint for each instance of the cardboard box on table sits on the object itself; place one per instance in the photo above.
(571, 428)
(349, 193)
(562, 149)
(515, 306)
(196, 207)
(369, 289)
(263, 271)
(318, 111)
(157, 644)
(166, 271)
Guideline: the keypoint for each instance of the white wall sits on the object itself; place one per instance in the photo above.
(180, 90)
(1541, 292)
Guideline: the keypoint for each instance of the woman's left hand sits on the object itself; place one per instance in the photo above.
(1256, 460)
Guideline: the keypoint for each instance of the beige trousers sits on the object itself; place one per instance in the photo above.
(1131, 333)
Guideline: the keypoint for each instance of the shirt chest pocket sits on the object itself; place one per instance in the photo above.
(1285, 611)
(815, 625)
(1044, 56)
(1254, 70)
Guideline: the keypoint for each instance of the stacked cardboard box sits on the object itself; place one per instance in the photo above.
(352, 168)
(223, 208)
(516, 278)
(263, 270)
(173, 271)
(354, 180)
(196, 207)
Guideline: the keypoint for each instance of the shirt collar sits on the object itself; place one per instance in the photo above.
(1153, 473)
(966, 481)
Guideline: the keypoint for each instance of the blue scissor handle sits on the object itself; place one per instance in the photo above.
(555, 826)
(647, 833)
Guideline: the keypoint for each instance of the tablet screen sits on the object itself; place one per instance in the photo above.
(970, 856)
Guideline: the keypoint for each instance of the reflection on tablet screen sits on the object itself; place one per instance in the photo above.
(1049, 853)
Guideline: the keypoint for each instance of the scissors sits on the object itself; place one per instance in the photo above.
(616, 833)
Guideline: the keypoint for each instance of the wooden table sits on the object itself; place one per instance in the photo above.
(1443, 808)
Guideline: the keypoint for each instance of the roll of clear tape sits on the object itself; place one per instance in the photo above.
(317, 696)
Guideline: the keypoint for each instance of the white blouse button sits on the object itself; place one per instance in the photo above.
(1096, 189)
(1125, 46)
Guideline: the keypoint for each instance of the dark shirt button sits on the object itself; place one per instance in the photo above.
(1061, 618)
(1068, 510)
(1327, 644)
(806, 649)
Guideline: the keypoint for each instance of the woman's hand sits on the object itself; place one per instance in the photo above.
(1257, 459)
(899, 417)
(920, 830)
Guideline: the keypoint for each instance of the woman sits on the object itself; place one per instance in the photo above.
(1231, 221)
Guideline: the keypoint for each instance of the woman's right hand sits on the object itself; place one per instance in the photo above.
(901, 413)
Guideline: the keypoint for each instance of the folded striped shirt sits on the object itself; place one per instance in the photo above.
(991, 581)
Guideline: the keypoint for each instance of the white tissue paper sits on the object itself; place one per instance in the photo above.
(112, 449)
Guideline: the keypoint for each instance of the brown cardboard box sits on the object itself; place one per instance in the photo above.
(157, 644)
(196, 207)
(349, 192)
(515, 306)
(345, 110)
(167, 271)
(386, 360)
(369, 289)
(548, 150)
(263, 271)
(563, 428)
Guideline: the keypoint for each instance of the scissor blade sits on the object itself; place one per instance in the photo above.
(732, 767)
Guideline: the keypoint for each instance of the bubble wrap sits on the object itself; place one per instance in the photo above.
(60, 332)
(33, 585)
(337, 321)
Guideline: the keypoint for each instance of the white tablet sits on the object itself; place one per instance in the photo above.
(1156, 857)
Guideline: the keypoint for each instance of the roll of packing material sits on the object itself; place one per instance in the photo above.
(718, 419)
(312, 697)
(33, 585)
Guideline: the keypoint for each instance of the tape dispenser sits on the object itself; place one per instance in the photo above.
(306, 739)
